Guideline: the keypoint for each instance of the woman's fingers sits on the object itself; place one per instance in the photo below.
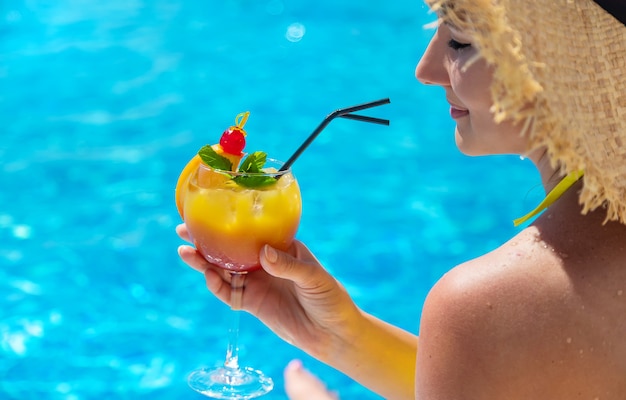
(191, 256)
(182, 231)
(299, 265)
(216, 278)
(217, 285)
(300, 251)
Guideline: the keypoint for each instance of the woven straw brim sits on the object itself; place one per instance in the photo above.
(560, 67)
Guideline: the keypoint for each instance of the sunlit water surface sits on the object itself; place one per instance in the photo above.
(103, 102)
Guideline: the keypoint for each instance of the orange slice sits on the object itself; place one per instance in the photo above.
(181, 184)
(205, 179)
(235, 159)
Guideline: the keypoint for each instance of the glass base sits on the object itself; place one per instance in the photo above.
(229, 383)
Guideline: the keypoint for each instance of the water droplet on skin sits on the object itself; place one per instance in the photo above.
(568, 340)
(620, 292)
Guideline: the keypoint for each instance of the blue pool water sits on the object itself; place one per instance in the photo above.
(103, 102)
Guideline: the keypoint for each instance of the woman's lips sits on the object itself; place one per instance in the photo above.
(456, 113)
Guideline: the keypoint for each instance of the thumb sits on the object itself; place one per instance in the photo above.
(299, 268)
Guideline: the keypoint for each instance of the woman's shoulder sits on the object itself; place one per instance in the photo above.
(525, 268)
(500, 292)
(509, 314)
(482, 320)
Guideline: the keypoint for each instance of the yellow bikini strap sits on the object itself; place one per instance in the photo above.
(553, 196)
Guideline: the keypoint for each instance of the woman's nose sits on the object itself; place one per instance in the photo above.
(431, 69)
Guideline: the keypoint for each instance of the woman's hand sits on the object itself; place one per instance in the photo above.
(303, 304)
(293, 295)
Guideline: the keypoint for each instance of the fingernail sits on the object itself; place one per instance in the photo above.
(294, 365)
(270, 254)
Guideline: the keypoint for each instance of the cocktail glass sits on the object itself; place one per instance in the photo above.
(229, 223)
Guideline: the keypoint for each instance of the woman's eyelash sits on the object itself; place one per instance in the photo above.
(453, 44)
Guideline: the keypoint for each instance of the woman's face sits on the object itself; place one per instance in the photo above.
(467, 91)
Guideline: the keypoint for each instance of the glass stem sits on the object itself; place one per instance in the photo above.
(236, 296)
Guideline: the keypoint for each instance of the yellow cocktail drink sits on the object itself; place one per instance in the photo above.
(229, 222)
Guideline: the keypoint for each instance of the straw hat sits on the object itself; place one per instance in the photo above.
(560, 69)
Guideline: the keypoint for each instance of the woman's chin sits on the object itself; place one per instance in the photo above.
(476, 148)
(466, 147)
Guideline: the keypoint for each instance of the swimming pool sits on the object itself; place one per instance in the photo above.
(102, 103)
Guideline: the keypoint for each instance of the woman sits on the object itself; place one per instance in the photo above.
(542, 316)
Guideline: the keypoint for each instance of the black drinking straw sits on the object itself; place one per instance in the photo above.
(342, 113)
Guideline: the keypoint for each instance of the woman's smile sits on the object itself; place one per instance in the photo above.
(457, 113)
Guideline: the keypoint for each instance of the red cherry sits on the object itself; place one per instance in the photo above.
(233, 140)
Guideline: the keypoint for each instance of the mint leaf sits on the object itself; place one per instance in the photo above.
(214, 160)
(253, 164)
(254, 181)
